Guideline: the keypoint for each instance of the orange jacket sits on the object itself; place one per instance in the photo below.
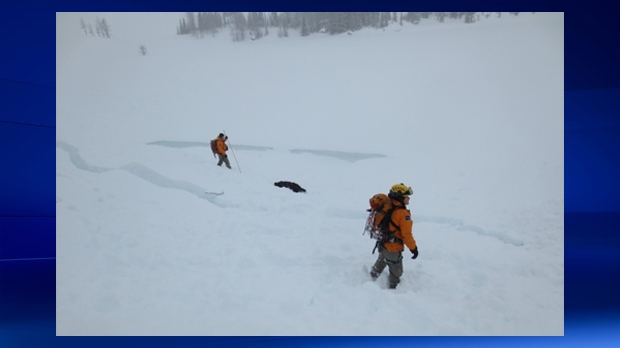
(221, 146)
(402, 219)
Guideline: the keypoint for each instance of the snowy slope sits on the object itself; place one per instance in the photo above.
(470, 116)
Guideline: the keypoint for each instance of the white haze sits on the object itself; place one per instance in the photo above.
(469, 115)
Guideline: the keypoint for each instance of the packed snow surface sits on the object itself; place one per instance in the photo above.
(469, 115)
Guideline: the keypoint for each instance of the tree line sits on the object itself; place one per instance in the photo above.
(254, 25)
(102, 29)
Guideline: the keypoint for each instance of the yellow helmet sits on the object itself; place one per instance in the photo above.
(400, 191)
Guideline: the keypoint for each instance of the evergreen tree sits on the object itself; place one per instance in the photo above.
(273, 19)
(356, 21)
(98, 26)
(239, 26)
(218, 22)
(209, 23)
(182, 28)
(255, 24)
(384, 19)
(105, 28)
(469, 17)
(321, 21)
(83, 26)
(191, 22)
(284, 21)
(304, 28)
(337, 23)
(413, 17)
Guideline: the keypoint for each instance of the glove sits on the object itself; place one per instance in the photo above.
(414, 252)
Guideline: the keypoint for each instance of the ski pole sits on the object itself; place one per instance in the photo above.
(233, 152)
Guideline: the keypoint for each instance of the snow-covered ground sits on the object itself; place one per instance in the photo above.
(469, 115)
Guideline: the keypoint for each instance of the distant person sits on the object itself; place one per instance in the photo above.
(400, 234)
(221, 150)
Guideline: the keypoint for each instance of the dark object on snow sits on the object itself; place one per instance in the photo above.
(291, 185)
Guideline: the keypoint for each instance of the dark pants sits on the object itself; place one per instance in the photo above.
(394, 261)
(223, 159)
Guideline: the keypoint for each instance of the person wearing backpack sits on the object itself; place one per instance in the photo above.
(399, 226)
(221, 147)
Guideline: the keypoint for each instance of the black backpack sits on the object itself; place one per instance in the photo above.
(214, 146)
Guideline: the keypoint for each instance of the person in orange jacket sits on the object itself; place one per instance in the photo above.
(400, 226)
(220, 142)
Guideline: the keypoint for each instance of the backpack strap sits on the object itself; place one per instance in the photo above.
(392, 238)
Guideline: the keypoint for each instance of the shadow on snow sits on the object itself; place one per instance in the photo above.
(345, 156)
